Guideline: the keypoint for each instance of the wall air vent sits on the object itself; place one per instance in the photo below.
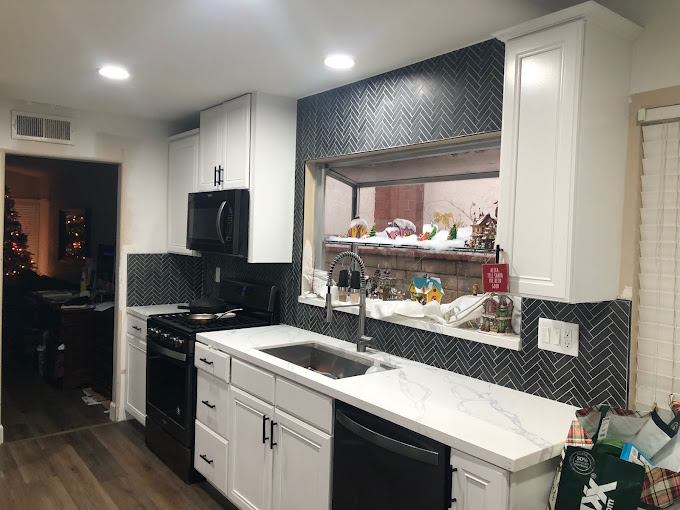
(42, 128)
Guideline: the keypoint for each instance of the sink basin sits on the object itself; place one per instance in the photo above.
(325, 360)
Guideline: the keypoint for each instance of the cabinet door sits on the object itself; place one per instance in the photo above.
(182, 174)
(211, 145)
(250, 460)
(538, 158)
(237, 144)
(212, 399)
(302, 465)
(135, 403)
(477, 485)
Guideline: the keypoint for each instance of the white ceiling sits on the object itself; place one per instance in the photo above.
(186, 55)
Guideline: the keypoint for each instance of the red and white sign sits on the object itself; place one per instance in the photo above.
(495, 277)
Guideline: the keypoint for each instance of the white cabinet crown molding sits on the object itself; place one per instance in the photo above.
(591, 11)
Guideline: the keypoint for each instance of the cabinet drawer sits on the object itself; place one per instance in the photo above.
(212, 361)
(254, 380)
(136, 326)
(312, 407)
(210, 456)
(212, 395)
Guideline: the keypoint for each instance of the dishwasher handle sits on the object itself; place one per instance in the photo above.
(387, 443)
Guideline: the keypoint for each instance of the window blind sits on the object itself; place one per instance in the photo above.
(658, 359)
(29, 217)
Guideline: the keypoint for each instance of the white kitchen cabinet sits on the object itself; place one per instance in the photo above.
(563, 152)
(302, 465)
(135, 395)
(249, 478)
(225, 146)
(276, 460)
(211, 456)
(478, 485)
(249, 142)
(182, 176)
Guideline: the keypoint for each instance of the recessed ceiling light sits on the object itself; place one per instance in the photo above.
(114, 72)
(339, 61)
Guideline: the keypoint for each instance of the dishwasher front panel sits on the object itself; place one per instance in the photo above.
(380, 465)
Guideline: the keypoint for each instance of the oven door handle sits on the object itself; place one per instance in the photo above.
(218, 221)
(387, 443)
(166, 352)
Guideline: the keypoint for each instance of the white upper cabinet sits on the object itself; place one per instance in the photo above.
(182, 173)
(211, 147)
(249, 142)
(563, 151)
(225, 145)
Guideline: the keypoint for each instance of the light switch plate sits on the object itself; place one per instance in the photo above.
(558, 336)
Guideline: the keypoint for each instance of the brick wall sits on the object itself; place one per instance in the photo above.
(404, 201)
(457, 271)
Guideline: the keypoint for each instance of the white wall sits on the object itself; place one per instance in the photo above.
(656, 53)
(141, 148)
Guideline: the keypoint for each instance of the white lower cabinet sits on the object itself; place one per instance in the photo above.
(302, 465)
(210, 456)
(135, 394)
(212, 399)
(478, 485)
(250, 459)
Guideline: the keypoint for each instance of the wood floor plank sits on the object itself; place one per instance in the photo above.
(98, 459)
(79, 481)
(29, 457)
(128, 495)
(50, 494)
(60, 472)
(161, 483)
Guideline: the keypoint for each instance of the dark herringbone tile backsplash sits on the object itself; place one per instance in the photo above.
(449, 96)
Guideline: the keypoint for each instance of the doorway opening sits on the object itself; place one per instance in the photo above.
(60, 233)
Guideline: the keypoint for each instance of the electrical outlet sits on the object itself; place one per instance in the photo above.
(557, 336)
(217, 274)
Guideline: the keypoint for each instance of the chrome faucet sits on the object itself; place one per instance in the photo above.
(362, 340)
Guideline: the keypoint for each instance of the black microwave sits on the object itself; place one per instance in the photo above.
(217, 222)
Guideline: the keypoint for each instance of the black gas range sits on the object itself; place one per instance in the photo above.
(171, 374)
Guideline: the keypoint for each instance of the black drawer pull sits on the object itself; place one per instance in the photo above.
(272, 444)
(264, 429)
(206, 459)
(206, 361)
(208, 404)
(136, 328)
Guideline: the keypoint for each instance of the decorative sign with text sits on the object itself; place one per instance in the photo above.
(495, 277)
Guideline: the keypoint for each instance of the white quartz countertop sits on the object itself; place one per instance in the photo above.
(508, 428)
(143, 312)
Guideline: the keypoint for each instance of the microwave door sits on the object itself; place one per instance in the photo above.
(202, 231)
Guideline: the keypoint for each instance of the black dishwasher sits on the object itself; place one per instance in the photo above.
(379, 465)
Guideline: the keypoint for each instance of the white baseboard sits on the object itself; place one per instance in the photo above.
(113, 416)
(2, 435)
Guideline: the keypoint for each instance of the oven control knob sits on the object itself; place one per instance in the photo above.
(174, 341)
(180, 343)
(165, 338)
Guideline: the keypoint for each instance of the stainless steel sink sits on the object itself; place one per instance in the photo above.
(325, 360)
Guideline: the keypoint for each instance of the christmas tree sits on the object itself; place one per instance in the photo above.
(17, 259)
(372, 232)
(453, 233)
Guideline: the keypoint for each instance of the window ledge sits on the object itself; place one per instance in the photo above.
(498, 340)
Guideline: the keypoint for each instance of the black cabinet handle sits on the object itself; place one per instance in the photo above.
(215, 176)
(206, 459)
(136, 328)
(452, 470)
(208, 404)
(206, 361)
(264, 429)
(220, 176)
(272, 444)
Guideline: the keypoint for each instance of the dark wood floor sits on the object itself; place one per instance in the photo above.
(31, 407)
(104, 467)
